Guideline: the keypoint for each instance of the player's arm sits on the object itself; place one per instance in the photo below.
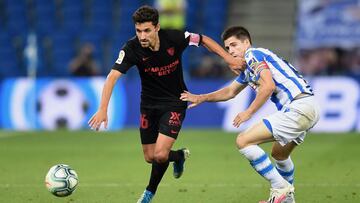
(110, 82)
(265, 90)
(101, 115)
(234, 63)
(223, 94)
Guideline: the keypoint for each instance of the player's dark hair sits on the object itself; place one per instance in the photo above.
(239, 32)
(146, 14)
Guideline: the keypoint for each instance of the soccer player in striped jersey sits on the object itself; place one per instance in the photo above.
(272, 78)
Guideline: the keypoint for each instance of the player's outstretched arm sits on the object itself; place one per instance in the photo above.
(223, 94)
(195, 99)
(235, 64)
(266, 88)
(101, 115)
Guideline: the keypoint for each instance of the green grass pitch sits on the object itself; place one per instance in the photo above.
(111, 168)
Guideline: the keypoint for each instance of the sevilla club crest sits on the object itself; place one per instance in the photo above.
(171, 51)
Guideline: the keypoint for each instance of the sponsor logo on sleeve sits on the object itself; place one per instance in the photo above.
(250, 60)
(121, 57)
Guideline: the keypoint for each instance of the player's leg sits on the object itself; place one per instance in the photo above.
(149, 123)
(155, 175)
(289, 127)
(247, 143)
(283, 162)
(149, 133)
(148, 151)
(160, 164)
(170, 125)
(163, 152)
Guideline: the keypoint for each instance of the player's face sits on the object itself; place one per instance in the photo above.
(236, 47)
(147, 33)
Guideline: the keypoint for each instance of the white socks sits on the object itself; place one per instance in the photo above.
(260, 161)
(286, 169)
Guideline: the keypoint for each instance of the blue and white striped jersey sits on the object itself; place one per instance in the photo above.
(289, 83)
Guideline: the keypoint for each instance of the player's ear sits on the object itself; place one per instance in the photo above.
(157, 27)
(247, 41)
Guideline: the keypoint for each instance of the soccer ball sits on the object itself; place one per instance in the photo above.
(61, 180)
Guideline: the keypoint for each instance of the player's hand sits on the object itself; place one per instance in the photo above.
(97, 119)
(236, 65)
(193, 98)
(240, 118)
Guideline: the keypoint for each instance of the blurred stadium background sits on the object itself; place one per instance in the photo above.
(45, 105)
(40, 38)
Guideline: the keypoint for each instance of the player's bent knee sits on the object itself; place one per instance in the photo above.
(161, 157)
(241, 142)
(279, 155)
(149, 158)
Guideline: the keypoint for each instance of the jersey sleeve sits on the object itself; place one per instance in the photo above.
(255, 61)
(184, 39)
(125, 60)
(193, 39)
(242, 78)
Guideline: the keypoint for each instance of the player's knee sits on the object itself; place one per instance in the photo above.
(149, 158)
(241, 142)
(161, 157)
(277, 155)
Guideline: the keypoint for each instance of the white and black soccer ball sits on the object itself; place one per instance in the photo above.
(61, 180)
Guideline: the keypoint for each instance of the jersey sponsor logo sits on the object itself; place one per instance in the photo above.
(175, 119)
(163, 70)
(121, 57)
(171, 51)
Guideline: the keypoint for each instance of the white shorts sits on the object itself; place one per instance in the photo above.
(292, 124)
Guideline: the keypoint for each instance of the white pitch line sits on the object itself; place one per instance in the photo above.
(191, 185)
(6, 134)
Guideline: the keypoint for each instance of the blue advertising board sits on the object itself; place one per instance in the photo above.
(49, 104)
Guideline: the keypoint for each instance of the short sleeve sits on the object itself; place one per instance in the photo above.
(125, 60)
(242, 78)
(193, 39)
(184, 39)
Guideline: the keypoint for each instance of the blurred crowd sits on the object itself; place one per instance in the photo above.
(329, 61)
(328, 37)
(61, 38)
